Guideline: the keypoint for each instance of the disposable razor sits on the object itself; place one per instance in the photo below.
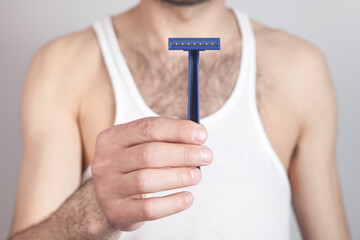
(194, 46)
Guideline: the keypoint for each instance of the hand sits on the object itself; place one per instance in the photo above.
(146, 156)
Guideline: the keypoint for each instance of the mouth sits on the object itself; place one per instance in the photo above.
(184, 2)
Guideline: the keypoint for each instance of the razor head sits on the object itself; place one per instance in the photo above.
(200, 44)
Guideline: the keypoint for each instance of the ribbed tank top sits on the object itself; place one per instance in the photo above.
(245, 193)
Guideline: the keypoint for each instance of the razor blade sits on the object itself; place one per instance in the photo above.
(199, 44)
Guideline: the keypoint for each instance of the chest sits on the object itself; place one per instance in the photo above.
(162, 81)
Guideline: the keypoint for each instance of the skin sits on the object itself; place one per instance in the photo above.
(74, 125)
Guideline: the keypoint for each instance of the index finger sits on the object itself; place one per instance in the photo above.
(157, 129)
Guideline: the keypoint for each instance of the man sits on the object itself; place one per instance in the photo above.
(74, 91)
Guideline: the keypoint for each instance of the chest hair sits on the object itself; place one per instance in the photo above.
(162, 79)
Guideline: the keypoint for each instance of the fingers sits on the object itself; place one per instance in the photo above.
(154, 129)
(159, 154)
(155, 180)
(158, 207)
(128, 214)
(146, 156)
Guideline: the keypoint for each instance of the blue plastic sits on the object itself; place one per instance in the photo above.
(198, 44)
(194, 45)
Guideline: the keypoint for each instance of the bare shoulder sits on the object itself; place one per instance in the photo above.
(66, 66)
(291, 51)
(294, 88)
(69, 43)
(68, 54)
(297, 67)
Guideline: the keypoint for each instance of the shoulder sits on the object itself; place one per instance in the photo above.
(291, 51)
(300, 72)
(64, 67)
(72, 51)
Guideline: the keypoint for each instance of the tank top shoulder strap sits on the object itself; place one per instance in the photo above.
(250, 65)
(105, 34)
(108, 45)
(113, 59)
(248, 61)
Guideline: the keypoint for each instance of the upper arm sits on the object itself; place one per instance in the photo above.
(51, 165)
(313, 174)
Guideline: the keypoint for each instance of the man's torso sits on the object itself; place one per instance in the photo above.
(162, 81)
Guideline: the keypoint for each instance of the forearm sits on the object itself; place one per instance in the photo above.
(80, 217)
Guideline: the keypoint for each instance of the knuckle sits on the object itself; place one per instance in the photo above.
(181, 176)
(141, 181)
(181, 204)
(187, 130)
(147, 126)
(191, 154)
(101, 164)
(115, 219)
(144, 154)
(186, 153)
(103, 137)
(128, 227)
(111, 215)
(147, 211)
(96, 167)
(177, 204)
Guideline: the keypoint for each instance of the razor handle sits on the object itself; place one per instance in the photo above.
(193, 46)
(193, 94)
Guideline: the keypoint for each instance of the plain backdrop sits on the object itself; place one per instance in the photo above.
(333, 26)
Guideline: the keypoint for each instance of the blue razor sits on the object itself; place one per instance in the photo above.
(194, 45)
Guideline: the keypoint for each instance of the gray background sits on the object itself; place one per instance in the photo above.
(331, 25)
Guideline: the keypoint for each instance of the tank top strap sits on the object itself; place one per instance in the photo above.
(109, 47)
(105, 35)
(250, 65)
(248, 60)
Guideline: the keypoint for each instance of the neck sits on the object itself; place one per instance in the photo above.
(158, 20)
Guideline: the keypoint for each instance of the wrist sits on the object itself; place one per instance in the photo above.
(96, 220)
(81, 216)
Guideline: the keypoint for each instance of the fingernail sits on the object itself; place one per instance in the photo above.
(206, 155)
(200, 134)
(195, 173)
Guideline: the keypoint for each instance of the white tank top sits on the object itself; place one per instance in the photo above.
(245, 193)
